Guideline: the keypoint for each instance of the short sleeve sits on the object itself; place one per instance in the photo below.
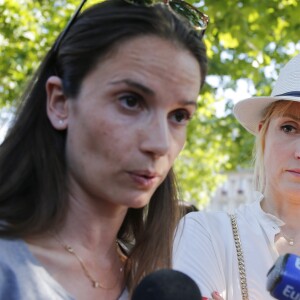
(197, 254)
(8, 284)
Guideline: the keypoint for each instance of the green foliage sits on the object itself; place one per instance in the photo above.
(27, 29)
(243, 39)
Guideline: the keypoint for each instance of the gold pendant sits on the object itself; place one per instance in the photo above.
(96, 284)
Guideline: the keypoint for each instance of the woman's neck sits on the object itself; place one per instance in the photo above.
(95, 228)
(283, 207)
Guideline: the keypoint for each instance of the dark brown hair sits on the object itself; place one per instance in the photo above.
(33, 188)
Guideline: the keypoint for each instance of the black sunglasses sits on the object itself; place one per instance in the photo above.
(197, 19)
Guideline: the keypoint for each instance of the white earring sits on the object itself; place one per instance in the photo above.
(61, 122)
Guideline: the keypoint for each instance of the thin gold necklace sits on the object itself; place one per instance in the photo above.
(291, 241)
(95, 283)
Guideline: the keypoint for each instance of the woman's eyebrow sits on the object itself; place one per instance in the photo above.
(136, 85)
(149, 91)
(189, 102)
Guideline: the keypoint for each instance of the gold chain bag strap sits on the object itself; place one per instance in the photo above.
(240, 257)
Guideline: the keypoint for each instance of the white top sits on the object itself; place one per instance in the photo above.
(205, 250)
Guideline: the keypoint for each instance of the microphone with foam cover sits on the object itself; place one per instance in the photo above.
(167, 284)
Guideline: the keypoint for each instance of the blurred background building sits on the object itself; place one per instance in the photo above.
(237, 189)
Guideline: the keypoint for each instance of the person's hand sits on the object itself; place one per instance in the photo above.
(216, 296)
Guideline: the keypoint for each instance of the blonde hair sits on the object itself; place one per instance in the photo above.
(275, 109)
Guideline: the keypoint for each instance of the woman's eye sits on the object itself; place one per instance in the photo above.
(181, 116)
(288, 128)
(130, 101)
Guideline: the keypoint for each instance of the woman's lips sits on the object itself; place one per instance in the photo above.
(144, 179)
(295, 172)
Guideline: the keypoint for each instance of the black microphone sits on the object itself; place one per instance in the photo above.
(167, 284)
(284, 278)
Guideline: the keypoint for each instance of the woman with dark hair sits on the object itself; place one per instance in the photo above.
(88, 200)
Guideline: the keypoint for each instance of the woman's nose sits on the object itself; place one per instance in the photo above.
(156, 137)
(297, 154)
(297, 150)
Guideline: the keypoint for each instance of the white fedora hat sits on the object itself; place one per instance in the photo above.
(249, 112)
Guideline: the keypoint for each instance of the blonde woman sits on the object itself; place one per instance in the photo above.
(206, 247)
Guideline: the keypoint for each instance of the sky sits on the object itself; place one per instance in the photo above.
(244, 90)
(4, 122)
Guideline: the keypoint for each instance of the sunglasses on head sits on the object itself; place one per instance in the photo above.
(197, 19)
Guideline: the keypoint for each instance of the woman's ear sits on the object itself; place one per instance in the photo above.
(57, 103)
